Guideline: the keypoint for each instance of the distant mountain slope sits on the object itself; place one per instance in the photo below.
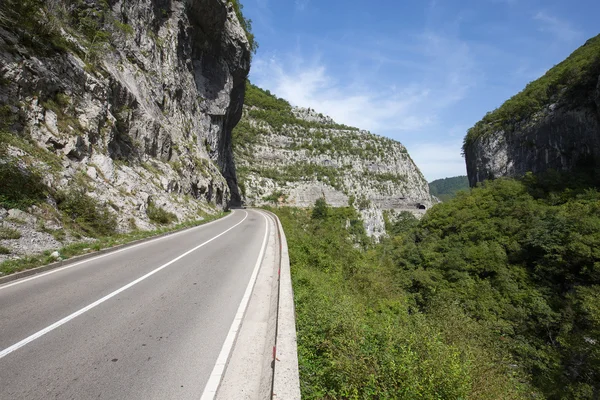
(554, 123)
(293, 156)
(446, 189)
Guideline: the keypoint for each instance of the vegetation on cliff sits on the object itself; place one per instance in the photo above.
(246, 24)
(493, 294)
(571, 81)
(447, 188)
(277, 112)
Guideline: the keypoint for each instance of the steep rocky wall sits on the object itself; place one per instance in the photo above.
(143, 106)
(562, 132)
(293, 156)
(559, 139)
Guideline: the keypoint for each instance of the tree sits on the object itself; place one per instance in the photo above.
(321, 210)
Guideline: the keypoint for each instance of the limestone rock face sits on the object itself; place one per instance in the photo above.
(293, 156)
(559, 138)
(563, 133)
(146, 114)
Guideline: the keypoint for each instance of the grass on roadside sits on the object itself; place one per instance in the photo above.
(79, 248)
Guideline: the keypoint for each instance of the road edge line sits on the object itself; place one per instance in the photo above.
(216, 375)
(83, 258)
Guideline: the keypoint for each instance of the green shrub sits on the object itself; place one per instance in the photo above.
(85, 214)
(160, 216)
(320, 210)
(5, 250)
(20, 188)
(34, 152)
(9, 233)
(36, 28)
(246, 24)
(403, 223)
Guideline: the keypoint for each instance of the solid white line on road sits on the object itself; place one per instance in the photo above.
(63, 321)
(210, 390)
(109, 254)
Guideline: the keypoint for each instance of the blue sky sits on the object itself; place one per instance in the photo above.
(420, 72)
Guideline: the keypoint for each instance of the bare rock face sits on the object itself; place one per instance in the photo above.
(559, 139)
(142, 110)
(292, 156)
(562, 134)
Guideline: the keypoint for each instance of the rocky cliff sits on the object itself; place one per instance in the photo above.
(553, 124)
(130, 103)
(292, 156)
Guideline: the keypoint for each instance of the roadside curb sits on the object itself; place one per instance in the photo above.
(83, 257)
(286, 376)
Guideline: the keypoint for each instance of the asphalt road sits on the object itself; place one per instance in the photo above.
(142, 323)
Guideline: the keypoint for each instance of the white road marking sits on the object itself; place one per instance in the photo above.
(109, 254)
(63, 321)
(210, 390)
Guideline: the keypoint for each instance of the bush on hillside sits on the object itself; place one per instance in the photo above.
(86, 214)
(159, 215)
(320, 210)
(20, 188)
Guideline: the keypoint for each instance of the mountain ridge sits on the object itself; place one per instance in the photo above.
(293, 156)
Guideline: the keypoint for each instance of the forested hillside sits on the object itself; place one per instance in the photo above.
(447, 188)
(492, 295)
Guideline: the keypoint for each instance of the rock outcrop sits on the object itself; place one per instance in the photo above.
(130, 102)
(139, 97)
(553, 124)
(293, 156)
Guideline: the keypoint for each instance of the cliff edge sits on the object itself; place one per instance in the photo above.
(554, 123)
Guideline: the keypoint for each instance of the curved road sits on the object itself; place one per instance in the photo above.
(145, 322)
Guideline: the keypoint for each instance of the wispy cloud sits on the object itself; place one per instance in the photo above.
(404, 105)
(308, 84)
(560, 28)
(301, 4)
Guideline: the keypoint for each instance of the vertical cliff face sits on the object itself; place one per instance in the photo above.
(138, 97)
(553, 124)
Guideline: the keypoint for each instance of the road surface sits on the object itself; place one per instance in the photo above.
(146, 322)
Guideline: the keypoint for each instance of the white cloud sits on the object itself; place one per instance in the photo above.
(310, 85)
(406, 104)
(557, 27)
(439, 160)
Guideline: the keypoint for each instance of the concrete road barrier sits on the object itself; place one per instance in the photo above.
(286, 377)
